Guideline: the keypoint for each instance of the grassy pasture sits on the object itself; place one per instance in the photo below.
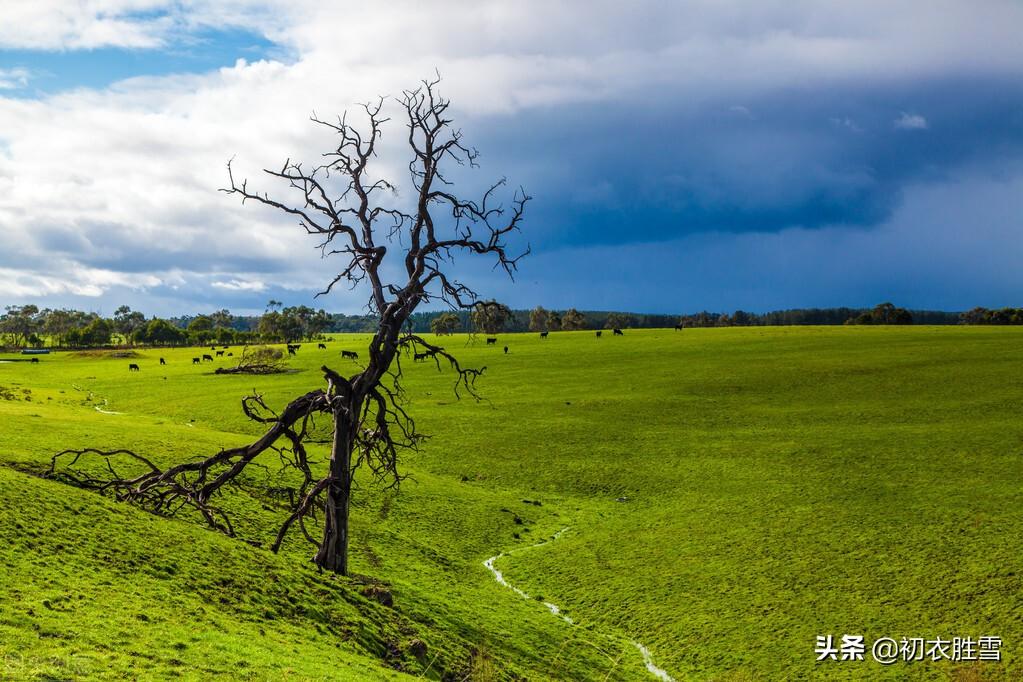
(779, 483)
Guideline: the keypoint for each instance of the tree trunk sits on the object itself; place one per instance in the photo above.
(333, 552)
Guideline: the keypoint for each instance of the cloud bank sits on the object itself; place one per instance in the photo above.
(737, 130)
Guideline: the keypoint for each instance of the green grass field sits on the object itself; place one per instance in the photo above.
(778, 484)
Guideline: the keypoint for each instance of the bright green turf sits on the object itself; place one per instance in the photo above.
(781, 483)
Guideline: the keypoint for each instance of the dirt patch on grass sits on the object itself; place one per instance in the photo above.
(105, 354)
(8, 393)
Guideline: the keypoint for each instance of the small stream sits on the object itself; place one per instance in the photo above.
(648, 659)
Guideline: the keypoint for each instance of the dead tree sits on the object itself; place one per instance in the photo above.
(341, 203)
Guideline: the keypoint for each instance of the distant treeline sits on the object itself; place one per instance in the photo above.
(883, 313)
(27, 325)
(1000, 316)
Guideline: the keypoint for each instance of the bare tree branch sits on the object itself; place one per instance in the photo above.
(341, 203)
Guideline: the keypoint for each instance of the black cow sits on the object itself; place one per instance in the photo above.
(506, 350)
(206, 358)
(418, 357)
(133, 368)
(220, 353)
(350, 354)
(35, 360)
(195, 361)
(162, 361)
(543, 335)
(230, 355)
(617, 332)
(599, 333)
(291, 350)
(678, 327)
(213, 348)
(491, 341)
(321, 346)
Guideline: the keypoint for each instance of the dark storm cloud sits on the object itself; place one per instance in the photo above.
(947, 246)
(838, 155)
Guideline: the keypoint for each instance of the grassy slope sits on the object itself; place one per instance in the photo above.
(781, 483)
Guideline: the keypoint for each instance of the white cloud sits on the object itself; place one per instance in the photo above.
(241, 285)
(907, 121)
(11, 79)
(741, 111)
(57, 24)
(847, 123)
(131, 24)
(77, 281)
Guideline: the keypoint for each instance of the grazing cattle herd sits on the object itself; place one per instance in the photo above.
(347, 354)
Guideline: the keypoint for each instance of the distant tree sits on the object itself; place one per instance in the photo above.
(1002, 316)
(863, 318)
(159, 332)
(200, 323)
(57, 323)
(20, 322)
(618, 321)
(271, 326)
(883, 313)
(901, 316)
(538, 317)
(490, 316)
(200, 329)
(317, 323)
(973, 316)
(73, 338)
(99, 332)
(573, 320)
(225, 335)
(741, 318)
(445, 323)
(292, 325)
(126, 321)
(222, 318)
(554, 321)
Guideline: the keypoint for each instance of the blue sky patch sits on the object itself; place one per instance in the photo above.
(55, 71)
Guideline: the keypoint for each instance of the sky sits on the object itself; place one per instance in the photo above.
(682, 156)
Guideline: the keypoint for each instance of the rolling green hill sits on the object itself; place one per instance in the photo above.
(725, 496)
